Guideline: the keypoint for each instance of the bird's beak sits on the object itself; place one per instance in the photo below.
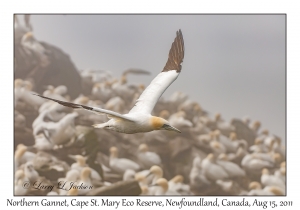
(171, 128)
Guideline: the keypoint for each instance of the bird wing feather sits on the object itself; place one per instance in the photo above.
(96, 110)
(163, 80)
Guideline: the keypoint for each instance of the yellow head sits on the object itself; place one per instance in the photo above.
(145, 190)
(139, 177)
(177, 179)
(123, 80)
(18, 83)
(265, 171)
(84, 100)
(163, 183)
(85, 173)
(217, 116)
(142, 87)
(156, 170)
(158, 123)
(113, 152)
(258, 141)
(28, 36)
(254, 186)
(211, 157)
(233, 136)
(164, 114)
(80, 160)
(21, 149)
(28, 85)
(256, 125)
(276, 190)
(217, 134)
(73, 191)
(222, 156)
(265, 132)
(143, 148)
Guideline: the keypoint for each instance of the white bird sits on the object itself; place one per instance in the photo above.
(197, 177)
(22, 156)
(56, 93)
(19, 183)
(81, 163)
(178, 120)
(212, 170)
(85, 180)
(62, 131)
(157, 173)
(161, 187)
(146, 158)
(31, 45)
(120, 165)
(271, 180)
(129, 174)
(232, 169)
(256, 189)
(30, 173)
(176, 184)
(66, 183)
(139, 119)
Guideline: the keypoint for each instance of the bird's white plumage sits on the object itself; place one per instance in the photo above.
(152, 93)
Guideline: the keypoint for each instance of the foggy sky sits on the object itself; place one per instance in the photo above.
(234, 64)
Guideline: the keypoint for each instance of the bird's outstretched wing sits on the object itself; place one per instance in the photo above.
(96, 110)
(164, 79)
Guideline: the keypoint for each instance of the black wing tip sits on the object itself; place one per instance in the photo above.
(176, 54)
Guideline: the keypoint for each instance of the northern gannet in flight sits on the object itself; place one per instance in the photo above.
(139, 118)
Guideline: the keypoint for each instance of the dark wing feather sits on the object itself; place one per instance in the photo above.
(176, 54)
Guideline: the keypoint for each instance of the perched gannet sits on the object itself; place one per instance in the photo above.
(32, 46)
(230, 187)
(139, 119)
(146, 158)
(142, 179)
(62, 131)
(271, 180)
(256, 189)
(81, 163)
(212, 170)
(30, 173)
(66, 183)
(129, 174)
(56, 93)
(120, 165)
(161, 187)
(72, 192)
(102, 91)
(22, 155)
(145, 190)
(178, 119)
(232, 169)
(85, 180)
(157, 173)
(19, 183)
(176, 184)
(197, 176)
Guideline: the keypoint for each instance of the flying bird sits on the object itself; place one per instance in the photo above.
(139, 118)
